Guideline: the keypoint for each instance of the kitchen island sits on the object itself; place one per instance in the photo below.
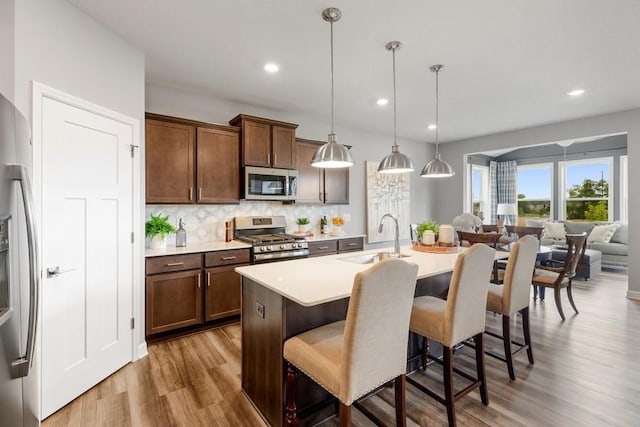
(280, 300)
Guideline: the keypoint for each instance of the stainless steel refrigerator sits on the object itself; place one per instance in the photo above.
(19, 278)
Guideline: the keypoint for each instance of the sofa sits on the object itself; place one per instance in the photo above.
(607, 250)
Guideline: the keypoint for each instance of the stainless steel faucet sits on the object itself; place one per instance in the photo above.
(396, 250)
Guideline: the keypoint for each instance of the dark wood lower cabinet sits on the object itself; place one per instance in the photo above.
(222, 292)
(189, 290)
(174, 300)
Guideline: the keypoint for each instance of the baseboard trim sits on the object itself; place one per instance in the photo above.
(142, 351)
(633, 295)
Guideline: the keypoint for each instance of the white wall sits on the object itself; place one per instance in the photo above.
(61, 47)
(6, 48)
(366, 145)
(450, 203)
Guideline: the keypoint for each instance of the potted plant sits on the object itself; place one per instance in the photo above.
(303, 224)
(156, 229)
(427, 225)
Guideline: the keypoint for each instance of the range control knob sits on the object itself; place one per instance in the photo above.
(269, 248)
(294, 245)
(282, 246)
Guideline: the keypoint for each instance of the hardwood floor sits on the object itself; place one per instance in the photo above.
(587, 372)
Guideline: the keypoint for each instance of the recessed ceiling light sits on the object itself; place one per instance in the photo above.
(271, 67)
(576, 92)
(432, 126)
(382, 101)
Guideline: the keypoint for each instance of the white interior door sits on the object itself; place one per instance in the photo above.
(87, 189)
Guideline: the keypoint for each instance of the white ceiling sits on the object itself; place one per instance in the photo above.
(508, 63)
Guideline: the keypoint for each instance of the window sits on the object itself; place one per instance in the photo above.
(586, 189)
(624, 189)
(480, 191)
(535, 191)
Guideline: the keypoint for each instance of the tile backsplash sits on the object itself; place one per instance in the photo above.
(205, 223)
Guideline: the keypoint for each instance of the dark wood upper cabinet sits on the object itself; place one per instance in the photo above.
(218, 154)
(191, 162)
(266, 143)
(317, 185)
(170, 162)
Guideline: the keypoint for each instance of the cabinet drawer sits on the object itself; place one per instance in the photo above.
(165, 264)
(218, 258)
(323, 248)
(349, 245)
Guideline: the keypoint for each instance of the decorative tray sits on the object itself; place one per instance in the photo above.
(436, 249)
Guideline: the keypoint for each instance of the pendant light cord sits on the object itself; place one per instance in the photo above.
(437, 123)
(395, 119)
(332, 97)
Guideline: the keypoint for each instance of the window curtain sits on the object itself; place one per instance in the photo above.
(503, 186)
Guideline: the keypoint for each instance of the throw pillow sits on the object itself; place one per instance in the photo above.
(553, 230)
(602, 233)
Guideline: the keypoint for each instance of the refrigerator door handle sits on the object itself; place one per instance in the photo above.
(20, 367)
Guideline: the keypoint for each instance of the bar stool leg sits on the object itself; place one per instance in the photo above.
(291, 417)
(478, 340)
(506, 340)
(425, 353)
(345, 415)
(527, 333)
(448, 385)
(401, 407)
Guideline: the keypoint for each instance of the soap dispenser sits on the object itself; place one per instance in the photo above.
(181, 234)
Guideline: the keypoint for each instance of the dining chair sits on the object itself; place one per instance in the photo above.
(561, 273)
(459, 318)
(353, 357)
(513, 297)
(491, 239)
(490, 228)
(520, 231)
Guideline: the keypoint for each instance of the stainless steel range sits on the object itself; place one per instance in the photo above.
(269, 241)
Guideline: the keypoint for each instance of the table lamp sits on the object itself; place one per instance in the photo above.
(506, 209)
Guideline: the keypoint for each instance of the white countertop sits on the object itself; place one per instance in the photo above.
(313, 281)
(192, 248)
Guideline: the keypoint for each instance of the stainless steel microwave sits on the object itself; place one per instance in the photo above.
(270, 184)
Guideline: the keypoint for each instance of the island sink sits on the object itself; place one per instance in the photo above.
(371, 258)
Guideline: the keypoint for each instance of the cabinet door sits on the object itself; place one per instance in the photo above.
(222, 292)
(174, 300)
(336, 186)
(169, 160)
(256, 144)
(283, 147)
(218, 155)
(309, 178)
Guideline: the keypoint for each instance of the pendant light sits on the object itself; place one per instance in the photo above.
(396, 162)
(437, 168)
(332, 154)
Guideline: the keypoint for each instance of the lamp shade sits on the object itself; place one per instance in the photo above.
(332, 155)
(506, 209)
(437, 168)
(396, 162)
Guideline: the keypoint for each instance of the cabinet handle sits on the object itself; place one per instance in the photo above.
(174, 264)
(351, 244)
(269, 158)
(275, 159)
(200, 193)
(198, 280)
(190, 193)
(323, 247)
(208, 279)
(228, 258)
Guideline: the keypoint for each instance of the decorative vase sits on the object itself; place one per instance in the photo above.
(302, 228)
(158, 242)
(337, 231)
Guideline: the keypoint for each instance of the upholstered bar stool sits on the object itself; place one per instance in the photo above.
(354, 357)
(460, 317)
(513, 297)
